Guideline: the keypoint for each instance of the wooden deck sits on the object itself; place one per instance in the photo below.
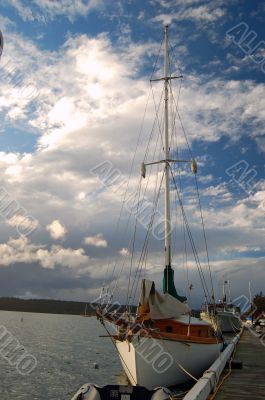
(248, 382)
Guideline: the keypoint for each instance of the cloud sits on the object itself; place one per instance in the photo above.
(56, 230)
(97, 241)
(201, 14)
(47, 10)
(87, 116)
(219, 190)
(71, 9)
(21, 250)
(55, 108)
(100, 99)
(23, 222)
(103, 92)
(124, 252)
(24, 11)
(58, 255)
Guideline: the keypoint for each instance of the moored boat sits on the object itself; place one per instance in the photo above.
(162, 344)
(224, 315)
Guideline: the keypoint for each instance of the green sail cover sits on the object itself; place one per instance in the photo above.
(169, 286)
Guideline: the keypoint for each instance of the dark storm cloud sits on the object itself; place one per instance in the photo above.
(20, 279)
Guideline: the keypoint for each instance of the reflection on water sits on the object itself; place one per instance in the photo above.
(66, 347)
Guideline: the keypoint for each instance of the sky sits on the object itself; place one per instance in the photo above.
(74, 79)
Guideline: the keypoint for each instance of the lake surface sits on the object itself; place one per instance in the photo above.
(66, 348)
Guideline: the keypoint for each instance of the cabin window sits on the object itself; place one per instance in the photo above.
(169, 328)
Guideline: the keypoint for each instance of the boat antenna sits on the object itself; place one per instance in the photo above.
(249, 291)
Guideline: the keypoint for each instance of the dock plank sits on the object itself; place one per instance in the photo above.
(248, 382)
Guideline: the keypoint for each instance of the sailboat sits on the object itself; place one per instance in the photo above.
(224, 315)
(162, 344)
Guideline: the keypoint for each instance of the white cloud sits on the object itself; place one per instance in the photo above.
(71, 9)
(201, 14)
(103, 93)
(171, 3)
(220, 190)
(261, 143)
(23, 222)
(90, 97)
(58, 255)
(206, 179)
(24, 11)
(5, 23)
(88, 115)
(46, 10)
(141, 15)
(97, 240)
(72, 142)
(124, 252)
(21, 250)
(56, 230)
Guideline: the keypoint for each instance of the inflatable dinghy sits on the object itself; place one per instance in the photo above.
(120, 392)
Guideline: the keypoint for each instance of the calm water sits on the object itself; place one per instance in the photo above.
(66, 348)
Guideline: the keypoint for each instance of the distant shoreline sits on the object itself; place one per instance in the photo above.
(51, 306)
(46, 306)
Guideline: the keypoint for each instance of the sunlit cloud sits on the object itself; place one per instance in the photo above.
(124, 252)
(56, 230)
(97, 241)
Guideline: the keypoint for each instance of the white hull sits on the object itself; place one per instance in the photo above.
(154, 362)
(227, 321)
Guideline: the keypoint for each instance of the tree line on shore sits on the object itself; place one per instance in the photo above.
(82, 308)
(46, 306)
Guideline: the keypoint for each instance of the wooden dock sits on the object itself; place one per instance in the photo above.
(248, 382)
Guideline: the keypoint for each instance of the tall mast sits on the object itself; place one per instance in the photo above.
(166, 149)
(168, 285)
(249, 290)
